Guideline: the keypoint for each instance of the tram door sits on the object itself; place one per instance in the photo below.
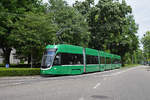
(84, 60)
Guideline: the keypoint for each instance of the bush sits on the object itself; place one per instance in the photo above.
(19, 71)
(2, 65)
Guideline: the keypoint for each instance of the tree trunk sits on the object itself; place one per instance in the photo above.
(29, 59)
(122, 61)
(6, 55)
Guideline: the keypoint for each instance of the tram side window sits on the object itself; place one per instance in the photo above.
(91, 59)
(116, 61)
(102, 60)
(108, 60)
(68, 59)
(57, 60)
(88, 59)
(97, 62)
(113, 60)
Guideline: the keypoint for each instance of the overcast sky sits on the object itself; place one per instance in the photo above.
(141, 12)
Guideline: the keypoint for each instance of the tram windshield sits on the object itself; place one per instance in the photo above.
(48, 57)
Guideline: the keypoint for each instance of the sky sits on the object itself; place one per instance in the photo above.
(141, 12)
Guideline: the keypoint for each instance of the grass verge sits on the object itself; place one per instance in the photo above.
(19, 71)
(130, 65)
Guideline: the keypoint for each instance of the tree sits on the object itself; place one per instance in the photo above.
(30, 25)
(32, 34)
(11, 10)
(146, 44)
(128, 41)
(112, 27)
(73, 28)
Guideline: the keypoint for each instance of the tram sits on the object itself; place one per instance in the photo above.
(67, 59)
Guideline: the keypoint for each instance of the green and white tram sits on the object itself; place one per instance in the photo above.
(66, 59)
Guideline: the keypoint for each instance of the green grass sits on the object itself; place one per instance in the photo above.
(19, 71)
(130, 65)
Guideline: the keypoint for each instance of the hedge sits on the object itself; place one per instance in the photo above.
(19, 71)
(130, 65)
(22, 65)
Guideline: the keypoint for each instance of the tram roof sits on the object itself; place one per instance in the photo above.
(66, 48)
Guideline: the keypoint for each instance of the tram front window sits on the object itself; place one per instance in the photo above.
(47, 59)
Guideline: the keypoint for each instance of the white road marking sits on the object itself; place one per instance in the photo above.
(98, 84)
(18, 83)
(81, 98)
(118, 73)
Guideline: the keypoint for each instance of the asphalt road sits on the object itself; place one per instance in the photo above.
(120, 84)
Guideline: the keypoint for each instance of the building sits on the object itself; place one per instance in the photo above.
(13, 58)
(1, 58)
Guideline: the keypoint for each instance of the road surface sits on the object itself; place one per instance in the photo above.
(119, 84)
